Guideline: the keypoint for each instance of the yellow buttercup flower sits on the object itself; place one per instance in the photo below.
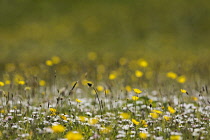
(21, 82)
(125, 116)
(100, 88)
(93, 121)
(171, 110)
(167, 118)
(183, 91)
(82, 118)
(137, 91)
(142, 63)
(49, 63)
(1, 84)
(112, 76)
(144, 123)
(55, 59)
(157, 111)
(128, 88)
(194, 98)
(135, 98)
(143, 135)
(53, 110)
(138, 73)
(74, 135)
(79, 101)
(175, 137)
(154, 115)
(42, 83)
(135, 122)
(7, 82)
(58, 128)
(171, 75)
(181, 79)
(105, 130)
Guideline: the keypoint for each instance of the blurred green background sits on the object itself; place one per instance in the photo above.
(31, 31)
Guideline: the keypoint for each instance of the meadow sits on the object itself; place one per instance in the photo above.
(96, 99)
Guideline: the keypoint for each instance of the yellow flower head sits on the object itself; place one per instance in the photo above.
(135, 98)
(1, 84)
(171, 75)
(175, 137)
(157, 111)
(42, 83)
(142, 63)
(138, 73)
(63, 117)
(135, 122)
(105, 130)
(21, 82)
(181, 79)
(154, 115)
(53, 110)
(82, 118)
(183, 91)
(128, 88)
(194, 98)
(7, 82)
(79, 101)
(143, 135)
(112, 76)
(171, 110)
(123, 61)
(58, 128)
(27, 88)
(100, 88)
(167, 118)
(144, 123)
(55, 59)
(49, 63)
(125, 116)
(137, 91)
(74, 135)
(93, 121)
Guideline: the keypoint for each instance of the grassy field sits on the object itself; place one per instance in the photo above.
(104, 70)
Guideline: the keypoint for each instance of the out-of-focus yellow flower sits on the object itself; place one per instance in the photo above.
(194, 98)
(143, 135)
(137, 91)
(53, 110)
(58, 128)
(55, 59)
(144, 123)
(154, 115)
(10, 67)
(105, 130)
(107, 91)
(92, 56)
(150, 101)
(135, 122)
(125, 116)
(128, 88)
(85, 82)
(100, 88)
(181, 79)
(27, 88)
(82, 118)
(112, 76)
(2, 111)
(79, 101)
(171, 110)
(74, 135)
(42, 83)
(167, 118)
(21, 82)
(142, 63)
(138, 73)
(63, 117)
(135, 98)
(171, 75)
(7, 82)
(175, 137)
(49, 63)
(123, 61)
(100, 68)
(183, 91)
(93, 121)
(1, 84)
(157, 111)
